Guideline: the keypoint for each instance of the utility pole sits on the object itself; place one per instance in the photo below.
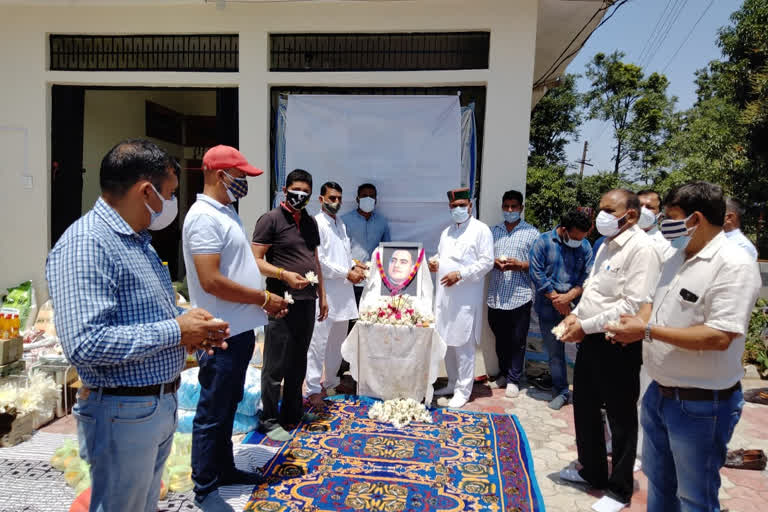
(583, 160)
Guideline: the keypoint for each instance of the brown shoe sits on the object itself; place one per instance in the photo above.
(746, 459)
(316, 401)
(757, 396)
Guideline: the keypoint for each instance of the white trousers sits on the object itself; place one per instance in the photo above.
(325, 351)
(460, 366)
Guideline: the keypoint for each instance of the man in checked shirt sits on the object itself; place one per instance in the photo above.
(116, 315)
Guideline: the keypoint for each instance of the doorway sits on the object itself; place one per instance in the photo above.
(88, 121)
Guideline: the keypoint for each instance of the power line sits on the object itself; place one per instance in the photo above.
(646, 45)
(688, 36)
(663, 38)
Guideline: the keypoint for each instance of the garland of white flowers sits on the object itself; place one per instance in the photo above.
(39, 396)
(400, 412)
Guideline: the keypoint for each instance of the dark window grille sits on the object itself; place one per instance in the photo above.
(218, 53)
(379, 52)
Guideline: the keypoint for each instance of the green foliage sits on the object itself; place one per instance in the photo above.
(554, 123)
(755, 348)
(548, 195)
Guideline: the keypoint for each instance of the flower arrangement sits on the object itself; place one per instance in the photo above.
(394, 290)
(400, 412)
(397, 310)
(39, 396)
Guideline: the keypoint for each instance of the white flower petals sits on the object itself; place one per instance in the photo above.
(311, 277)
(288, 298)
(400, 412)
(398, 310)
(558, 330)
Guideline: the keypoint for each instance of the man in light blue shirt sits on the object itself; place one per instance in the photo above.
(366, 229)
(509, 291)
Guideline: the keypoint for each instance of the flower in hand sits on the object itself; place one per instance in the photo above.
(287, 297)
(573, 331)
(630, 328)
(311, 277)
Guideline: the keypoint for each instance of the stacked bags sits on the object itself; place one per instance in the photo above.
(245, 417)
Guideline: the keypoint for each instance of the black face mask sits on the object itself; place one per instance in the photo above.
(296, 199)
(332, 208)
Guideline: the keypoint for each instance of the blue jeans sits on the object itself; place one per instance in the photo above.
(221, 377)
(556, 356)
(126, 440)
(684, 448)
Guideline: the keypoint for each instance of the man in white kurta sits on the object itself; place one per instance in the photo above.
(339, 276)
(464, 257)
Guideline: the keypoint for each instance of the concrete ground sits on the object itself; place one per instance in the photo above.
(553, 442)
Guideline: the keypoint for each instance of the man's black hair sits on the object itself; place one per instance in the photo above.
(332, 185)
(648, 192)
(699, 196)
(365, 186)
(131, 161)
(576, 219)
(512, 194)
(631, 201)
(298, 175)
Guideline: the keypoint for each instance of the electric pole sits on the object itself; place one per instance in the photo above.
(583, 160)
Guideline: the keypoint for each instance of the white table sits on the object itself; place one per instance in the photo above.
(389, 361)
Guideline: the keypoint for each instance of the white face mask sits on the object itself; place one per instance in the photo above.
(460, 214)
(168, 212)
(647, 218)
(367, 204)
(608, 225)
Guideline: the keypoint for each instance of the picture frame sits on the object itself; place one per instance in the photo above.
(398, 259)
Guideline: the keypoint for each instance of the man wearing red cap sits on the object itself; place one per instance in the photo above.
(223, 278)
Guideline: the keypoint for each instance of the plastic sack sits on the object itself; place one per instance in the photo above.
(76, 471)
(184, 423)
(20, 299)
(179, 477)
(65, 454)
(83, 484)
(189, 392)
(182, 445)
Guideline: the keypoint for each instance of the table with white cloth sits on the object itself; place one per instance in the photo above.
(394, 361)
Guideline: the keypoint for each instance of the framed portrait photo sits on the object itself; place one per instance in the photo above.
(398, 260)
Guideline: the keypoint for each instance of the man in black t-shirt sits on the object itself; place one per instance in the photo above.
(285, 244)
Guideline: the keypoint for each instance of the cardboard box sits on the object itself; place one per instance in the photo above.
(11, 350)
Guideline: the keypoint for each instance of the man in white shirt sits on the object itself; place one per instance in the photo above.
(734, 211)
(650, 209)
(693, 342)
(464, 257)
(223, 278)
(340, 274)
(622, 279)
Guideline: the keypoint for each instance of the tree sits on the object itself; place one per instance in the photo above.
(636, 106)
(554, 123)
(548, 195)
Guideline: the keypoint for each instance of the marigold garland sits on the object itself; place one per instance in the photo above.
(395, 290)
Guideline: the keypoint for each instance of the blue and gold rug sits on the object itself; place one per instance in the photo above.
(348, 462)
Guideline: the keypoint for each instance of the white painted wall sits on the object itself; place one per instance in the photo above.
(25, 87)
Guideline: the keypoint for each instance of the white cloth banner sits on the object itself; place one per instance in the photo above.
(408, 146)
(394, 361)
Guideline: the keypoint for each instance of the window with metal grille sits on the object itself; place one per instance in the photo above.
(198, 52)
(379, 52)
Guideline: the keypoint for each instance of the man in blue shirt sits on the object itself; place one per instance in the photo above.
(509, 291)
(366, 230)
(116, 316)
(559, 263)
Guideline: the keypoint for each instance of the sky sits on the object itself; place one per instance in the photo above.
(629, 30)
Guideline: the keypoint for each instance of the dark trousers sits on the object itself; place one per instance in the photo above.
(358, 294)
(222, 377)
(286, 341)
(607, 374)
(510, 327)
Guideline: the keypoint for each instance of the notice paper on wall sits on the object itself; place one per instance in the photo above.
(409, 147)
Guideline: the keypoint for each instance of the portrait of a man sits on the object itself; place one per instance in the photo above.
(398, 260)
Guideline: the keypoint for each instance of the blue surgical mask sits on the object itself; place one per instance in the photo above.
(460, 214)
(680, 242)
(677, 232)
(575, 244)
(511, 217)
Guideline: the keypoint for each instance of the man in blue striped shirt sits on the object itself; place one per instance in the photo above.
(116, 315)
(509, 291)
(559, 263)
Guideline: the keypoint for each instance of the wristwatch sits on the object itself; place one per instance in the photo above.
(647, 336)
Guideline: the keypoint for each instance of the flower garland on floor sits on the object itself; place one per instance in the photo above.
(39, 396)
(398, 310)
(400, 412)
(395, 290)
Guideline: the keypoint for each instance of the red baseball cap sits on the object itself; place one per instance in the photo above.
(227, 157)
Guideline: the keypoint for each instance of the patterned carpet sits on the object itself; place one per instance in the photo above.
(347, 462)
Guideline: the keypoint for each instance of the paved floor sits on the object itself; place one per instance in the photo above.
(552, 437)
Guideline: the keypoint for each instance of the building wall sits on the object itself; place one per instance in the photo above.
(26, 84)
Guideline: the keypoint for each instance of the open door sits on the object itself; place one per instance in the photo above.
(67, 157)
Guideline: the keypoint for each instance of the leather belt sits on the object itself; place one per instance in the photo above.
(697, 394)
(151, 390)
